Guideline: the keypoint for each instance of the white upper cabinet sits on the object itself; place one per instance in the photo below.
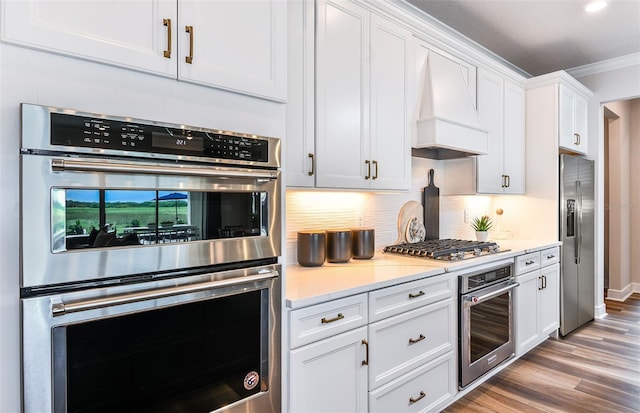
(300, 137)
(237, 46)
(234, 45)
(501, 112)
(572, 120)
(134, 34)
(362, 83)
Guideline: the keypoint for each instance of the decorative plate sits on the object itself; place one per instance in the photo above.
(415, 230)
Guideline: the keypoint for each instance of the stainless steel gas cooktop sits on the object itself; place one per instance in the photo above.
(446, 249)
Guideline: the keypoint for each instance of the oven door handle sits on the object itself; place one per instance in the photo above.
(492, 294)
(59, 308)
(77, 165)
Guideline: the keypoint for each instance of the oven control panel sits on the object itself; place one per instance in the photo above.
(103, 133)
(487, 278)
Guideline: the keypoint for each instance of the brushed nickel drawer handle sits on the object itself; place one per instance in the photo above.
(417, 399)
(368, 163)
(529, 262)
(420, 294)
(416, 340)
(550, 256)
(331, 320)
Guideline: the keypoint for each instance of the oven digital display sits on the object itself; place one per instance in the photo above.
(183, 142)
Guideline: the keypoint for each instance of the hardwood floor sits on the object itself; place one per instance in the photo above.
(594, 369)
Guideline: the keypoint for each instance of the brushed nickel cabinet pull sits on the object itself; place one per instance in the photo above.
(167, 24)
(504, 181)
(313, 165)
(365, 362)
(576, 139)
(420, 294)
(550, 256)
(544, 282)
(189, 29)
(507, 181)
(368, 169)
(541, 284)
(331, 320)
(375, 163)
(417, 340)
(529, 262)
(417, 399)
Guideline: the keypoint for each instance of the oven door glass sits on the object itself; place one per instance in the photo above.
(195, 357)
(104, 218)
(489, 326)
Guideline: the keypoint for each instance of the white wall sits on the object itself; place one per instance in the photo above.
(47, 79)
(634, 173)
(608, 85)
(619, 145)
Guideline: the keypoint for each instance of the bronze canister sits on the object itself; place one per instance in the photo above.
(311, 248)
(339, 245)
(363, 244)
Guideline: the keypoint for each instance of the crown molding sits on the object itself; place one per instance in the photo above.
(632, 59)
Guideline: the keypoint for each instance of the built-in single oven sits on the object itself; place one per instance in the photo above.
(486, 319)
(106, 197)
(150, 266)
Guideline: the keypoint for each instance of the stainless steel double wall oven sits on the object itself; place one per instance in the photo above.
(150, 276)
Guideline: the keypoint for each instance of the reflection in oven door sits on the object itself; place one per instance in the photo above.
(202, 343)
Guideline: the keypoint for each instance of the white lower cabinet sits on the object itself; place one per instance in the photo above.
(329, 375)
(427, 388)
(388, 350)
(537, 298)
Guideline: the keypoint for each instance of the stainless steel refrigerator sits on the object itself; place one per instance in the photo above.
(577, 274)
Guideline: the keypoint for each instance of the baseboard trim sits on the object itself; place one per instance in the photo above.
(623, 294)
(600, 311)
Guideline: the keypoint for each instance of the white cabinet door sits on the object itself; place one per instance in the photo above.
(133, 34)
(489, 178)
(299, 146)
(234, 45)
(391, 77)
(342, 95)
(328, 375)
(572, 120)
(580, 122)
(364, 77)
(501, 112)
(526, 298)
(549, 300)
(513, 143)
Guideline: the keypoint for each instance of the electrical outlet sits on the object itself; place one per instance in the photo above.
(466, 216)
(359, 219)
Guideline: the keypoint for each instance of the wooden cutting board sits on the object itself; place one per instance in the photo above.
(431, 203)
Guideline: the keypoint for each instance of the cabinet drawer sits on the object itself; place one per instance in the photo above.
(426, 389)
(394, 300)
(527, 262)
(549, 256)
(327, 319)
(401, 343)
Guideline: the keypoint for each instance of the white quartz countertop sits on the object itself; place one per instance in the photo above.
(312, 285)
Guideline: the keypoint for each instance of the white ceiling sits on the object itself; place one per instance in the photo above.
(542, 36)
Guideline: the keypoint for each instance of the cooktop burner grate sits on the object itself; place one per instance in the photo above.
(445, 249)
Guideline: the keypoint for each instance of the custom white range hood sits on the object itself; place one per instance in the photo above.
(448, 125)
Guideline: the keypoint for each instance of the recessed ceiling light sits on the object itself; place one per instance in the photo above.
(595, 6)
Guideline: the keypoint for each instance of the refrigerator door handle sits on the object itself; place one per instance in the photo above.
(578, 238)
